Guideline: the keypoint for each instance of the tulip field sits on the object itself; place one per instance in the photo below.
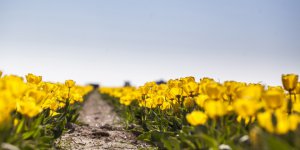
(183, 113)
(33, 113)
(186, 113)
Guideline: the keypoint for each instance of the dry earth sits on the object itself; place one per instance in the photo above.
(101, 129)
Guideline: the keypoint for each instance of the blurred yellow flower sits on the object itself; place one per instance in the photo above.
(274, 98)
(214, 90)
(196, 118)
(200, 100)
(251, 92)
(29, 108)
(4, 112)
(245, 108)
(297, 90)
(278, 122)
(215, 109)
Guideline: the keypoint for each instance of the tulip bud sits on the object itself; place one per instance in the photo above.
(69, 83)
(289, 81)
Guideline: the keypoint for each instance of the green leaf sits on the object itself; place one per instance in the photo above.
(20, 126)
(47, 139)
(189, 143)
(187, 129)
(210, 141)
(171, 143)
(275, 143)
(27, 135)
(145, 136)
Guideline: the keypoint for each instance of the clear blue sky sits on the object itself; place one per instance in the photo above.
(111, 41)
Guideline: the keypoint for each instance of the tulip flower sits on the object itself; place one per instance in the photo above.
(200, 100)
(31, 78)
(289, 81)
(245, 108)
(196, 118)
(278, 122)
(190, 88)
(215, 90)
(69, 83)
(215, 109)
(273, 98)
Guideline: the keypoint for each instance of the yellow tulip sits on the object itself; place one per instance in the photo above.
(166, 105)
(250, 92)
(206, 80)
(159, 99)
(29, 108)
(187, 79)
(175, 93)
(273, 98)
(69, 83)
(200, 100)
(278, 122)
(196, 118)
(231, 88)
(265, 121)
(191, 88)
(215, 109)
(214, 90)
(289, 81)
(51, 103)
(31, 78)
(49, 87)
(174, 83)
(149, 103)
(245, 108)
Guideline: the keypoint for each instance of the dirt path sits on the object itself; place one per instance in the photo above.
(102, 129)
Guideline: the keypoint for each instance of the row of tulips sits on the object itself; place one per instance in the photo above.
(184, 113)
(33, 112)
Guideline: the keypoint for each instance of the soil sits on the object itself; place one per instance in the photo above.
(100, 128)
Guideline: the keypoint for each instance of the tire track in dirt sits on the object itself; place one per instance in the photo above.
(101, 129)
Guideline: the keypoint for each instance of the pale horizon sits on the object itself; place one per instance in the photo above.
(109, 42)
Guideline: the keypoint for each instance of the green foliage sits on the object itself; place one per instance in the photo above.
(167, 129)
(40, 131)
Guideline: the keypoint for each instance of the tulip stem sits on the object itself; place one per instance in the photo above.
(290, 103)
